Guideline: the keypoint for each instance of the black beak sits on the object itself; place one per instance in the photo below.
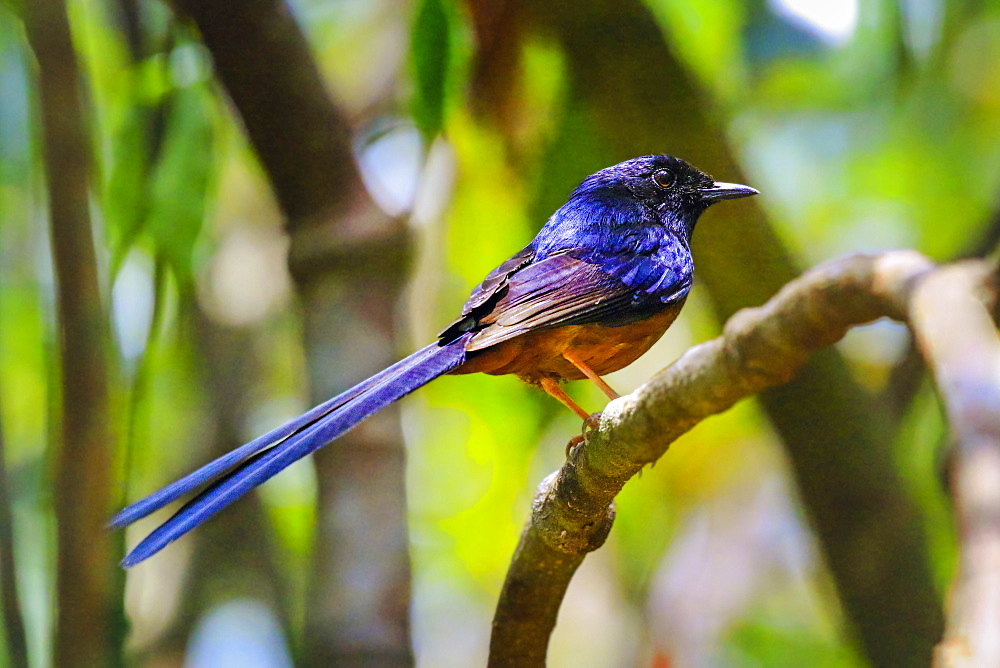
(721, 190)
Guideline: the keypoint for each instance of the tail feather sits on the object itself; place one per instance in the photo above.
(234, 458)
(250, 465)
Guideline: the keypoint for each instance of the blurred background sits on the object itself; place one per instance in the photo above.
(277, 203)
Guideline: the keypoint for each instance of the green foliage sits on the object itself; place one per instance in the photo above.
(181, 179)
(774, 643)
(432, 50)
(882, 140)
(161, 168)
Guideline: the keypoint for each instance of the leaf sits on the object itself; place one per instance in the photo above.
(135, 145)
(431, 47)
(125, 197)
(181, 179)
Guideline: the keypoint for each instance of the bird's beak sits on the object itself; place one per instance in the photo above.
(721, 190)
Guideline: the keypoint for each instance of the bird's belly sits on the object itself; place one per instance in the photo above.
(539, 354)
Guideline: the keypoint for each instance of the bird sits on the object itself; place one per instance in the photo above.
(598, 285)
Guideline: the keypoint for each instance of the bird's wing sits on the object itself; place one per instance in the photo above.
(566, 290)
(486, 294)
(497, 279)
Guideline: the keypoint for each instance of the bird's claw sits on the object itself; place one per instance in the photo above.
(574, 442)
(590, 424)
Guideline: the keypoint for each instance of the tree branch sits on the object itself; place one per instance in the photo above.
(905, 377)
(760, 348)
(950, 316)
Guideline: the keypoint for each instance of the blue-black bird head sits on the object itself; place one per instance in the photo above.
(668, 186)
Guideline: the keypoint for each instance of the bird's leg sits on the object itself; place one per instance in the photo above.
(589, 420)
(589, 373)
(552, 387)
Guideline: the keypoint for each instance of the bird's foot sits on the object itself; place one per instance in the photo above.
(573, 443)
(590, 423)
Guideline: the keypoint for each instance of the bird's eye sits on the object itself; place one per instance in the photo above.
(664, 178)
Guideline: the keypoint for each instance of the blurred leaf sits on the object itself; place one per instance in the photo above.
(431, 52)
(23, 373)
(137, 106)
(487, 210)
(181, 179)
(708, 33)
(125, 198)
(776, 643)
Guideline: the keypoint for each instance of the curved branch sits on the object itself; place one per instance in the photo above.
(760, 348)
(905, 377)
(950, 316)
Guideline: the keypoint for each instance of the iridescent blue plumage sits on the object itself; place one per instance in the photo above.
(614, 262)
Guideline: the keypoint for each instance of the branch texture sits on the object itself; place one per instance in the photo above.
(950, 316)
(760, 348)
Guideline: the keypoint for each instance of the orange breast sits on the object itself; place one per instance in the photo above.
(538, 354)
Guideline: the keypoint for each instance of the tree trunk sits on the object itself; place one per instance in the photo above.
(348, 259)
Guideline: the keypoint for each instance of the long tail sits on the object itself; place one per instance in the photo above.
(236, 473)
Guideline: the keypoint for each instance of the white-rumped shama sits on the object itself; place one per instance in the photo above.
(602, 281)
